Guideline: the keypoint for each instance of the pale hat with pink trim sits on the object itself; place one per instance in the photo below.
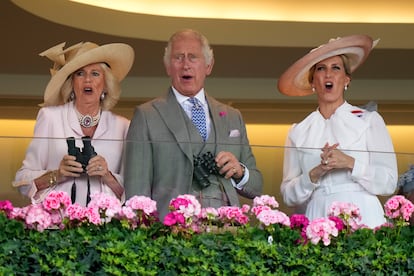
(295, 80)
(118, 56)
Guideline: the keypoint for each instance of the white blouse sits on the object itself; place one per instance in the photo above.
(361, 134)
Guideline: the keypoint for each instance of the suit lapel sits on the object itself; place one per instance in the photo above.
(216, 111)
(170, 111)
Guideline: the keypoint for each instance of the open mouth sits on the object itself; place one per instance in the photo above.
(187, 77)
(329, 85)
(87, 90)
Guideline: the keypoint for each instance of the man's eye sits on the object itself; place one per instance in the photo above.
(179, 57)
(192, 58)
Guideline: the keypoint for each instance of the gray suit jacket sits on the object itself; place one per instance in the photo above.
(159, 157)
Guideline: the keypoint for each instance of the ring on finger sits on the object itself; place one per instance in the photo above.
(325, 162)
(99, 168)
(233, 170)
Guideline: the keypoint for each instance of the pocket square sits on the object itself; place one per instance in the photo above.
(234, 133)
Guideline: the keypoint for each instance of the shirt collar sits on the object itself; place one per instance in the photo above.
(181, 98)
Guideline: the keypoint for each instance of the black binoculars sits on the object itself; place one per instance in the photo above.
(82, 156)
(204, 166)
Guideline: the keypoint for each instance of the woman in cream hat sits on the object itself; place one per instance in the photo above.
(84, 86)
(340, 152)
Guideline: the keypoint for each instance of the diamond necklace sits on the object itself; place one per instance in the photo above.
(87, 120)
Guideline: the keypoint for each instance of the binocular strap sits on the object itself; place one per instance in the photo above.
(73, 192)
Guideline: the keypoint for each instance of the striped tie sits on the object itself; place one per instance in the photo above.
(198, 117)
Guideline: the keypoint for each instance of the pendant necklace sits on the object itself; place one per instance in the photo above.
(87, 120)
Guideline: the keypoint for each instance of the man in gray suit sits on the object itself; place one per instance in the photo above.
(167, 156)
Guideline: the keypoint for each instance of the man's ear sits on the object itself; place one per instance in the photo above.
(167, 69)
(210, 67)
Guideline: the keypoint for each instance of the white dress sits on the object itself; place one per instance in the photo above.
(361, 134)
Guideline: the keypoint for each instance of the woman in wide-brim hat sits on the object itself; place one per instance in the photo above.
(84, 86)
(340, 152)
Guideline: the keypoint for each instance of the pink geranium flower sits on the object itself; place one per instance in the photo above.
(106, 205)
(56, 200)
(6, 207)
(231, 215)
(300, 222)
(76, 214)
(321, 229)
(269, 217)
(209, 214)
(265, 200)
(398, 208)
(185, 212)
(37, 218)
(174, 218)
(139, 210)
(348, 212)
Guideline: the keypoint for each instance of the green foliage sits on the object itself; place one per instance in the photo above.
(115, 250)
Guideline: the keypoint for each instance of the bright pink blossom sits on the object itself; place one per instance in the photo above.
(76, 212)
(174, 218)
(184, 206)
(300, 222)
(6, 206)
(232, 215)
(56, 200)
(339, 224)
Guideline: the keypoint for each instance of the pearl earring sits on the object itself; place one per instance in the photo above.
(346, 87)
(313, 89)
(102, 96)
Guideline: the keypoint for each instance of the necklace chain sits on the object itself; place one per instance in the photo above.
(87, 120)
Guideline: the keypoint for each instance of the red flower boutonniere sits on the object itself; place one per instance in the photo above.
(222, 113)
(357, 112)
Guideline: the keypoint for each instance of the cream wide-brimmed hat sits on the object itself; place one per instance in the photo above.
(118, 56)
(295, 80)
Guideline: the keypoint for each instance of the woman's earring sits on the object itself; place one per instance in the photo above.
(102, 96)
(346, 87)
(313, 89)
(72, 96)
